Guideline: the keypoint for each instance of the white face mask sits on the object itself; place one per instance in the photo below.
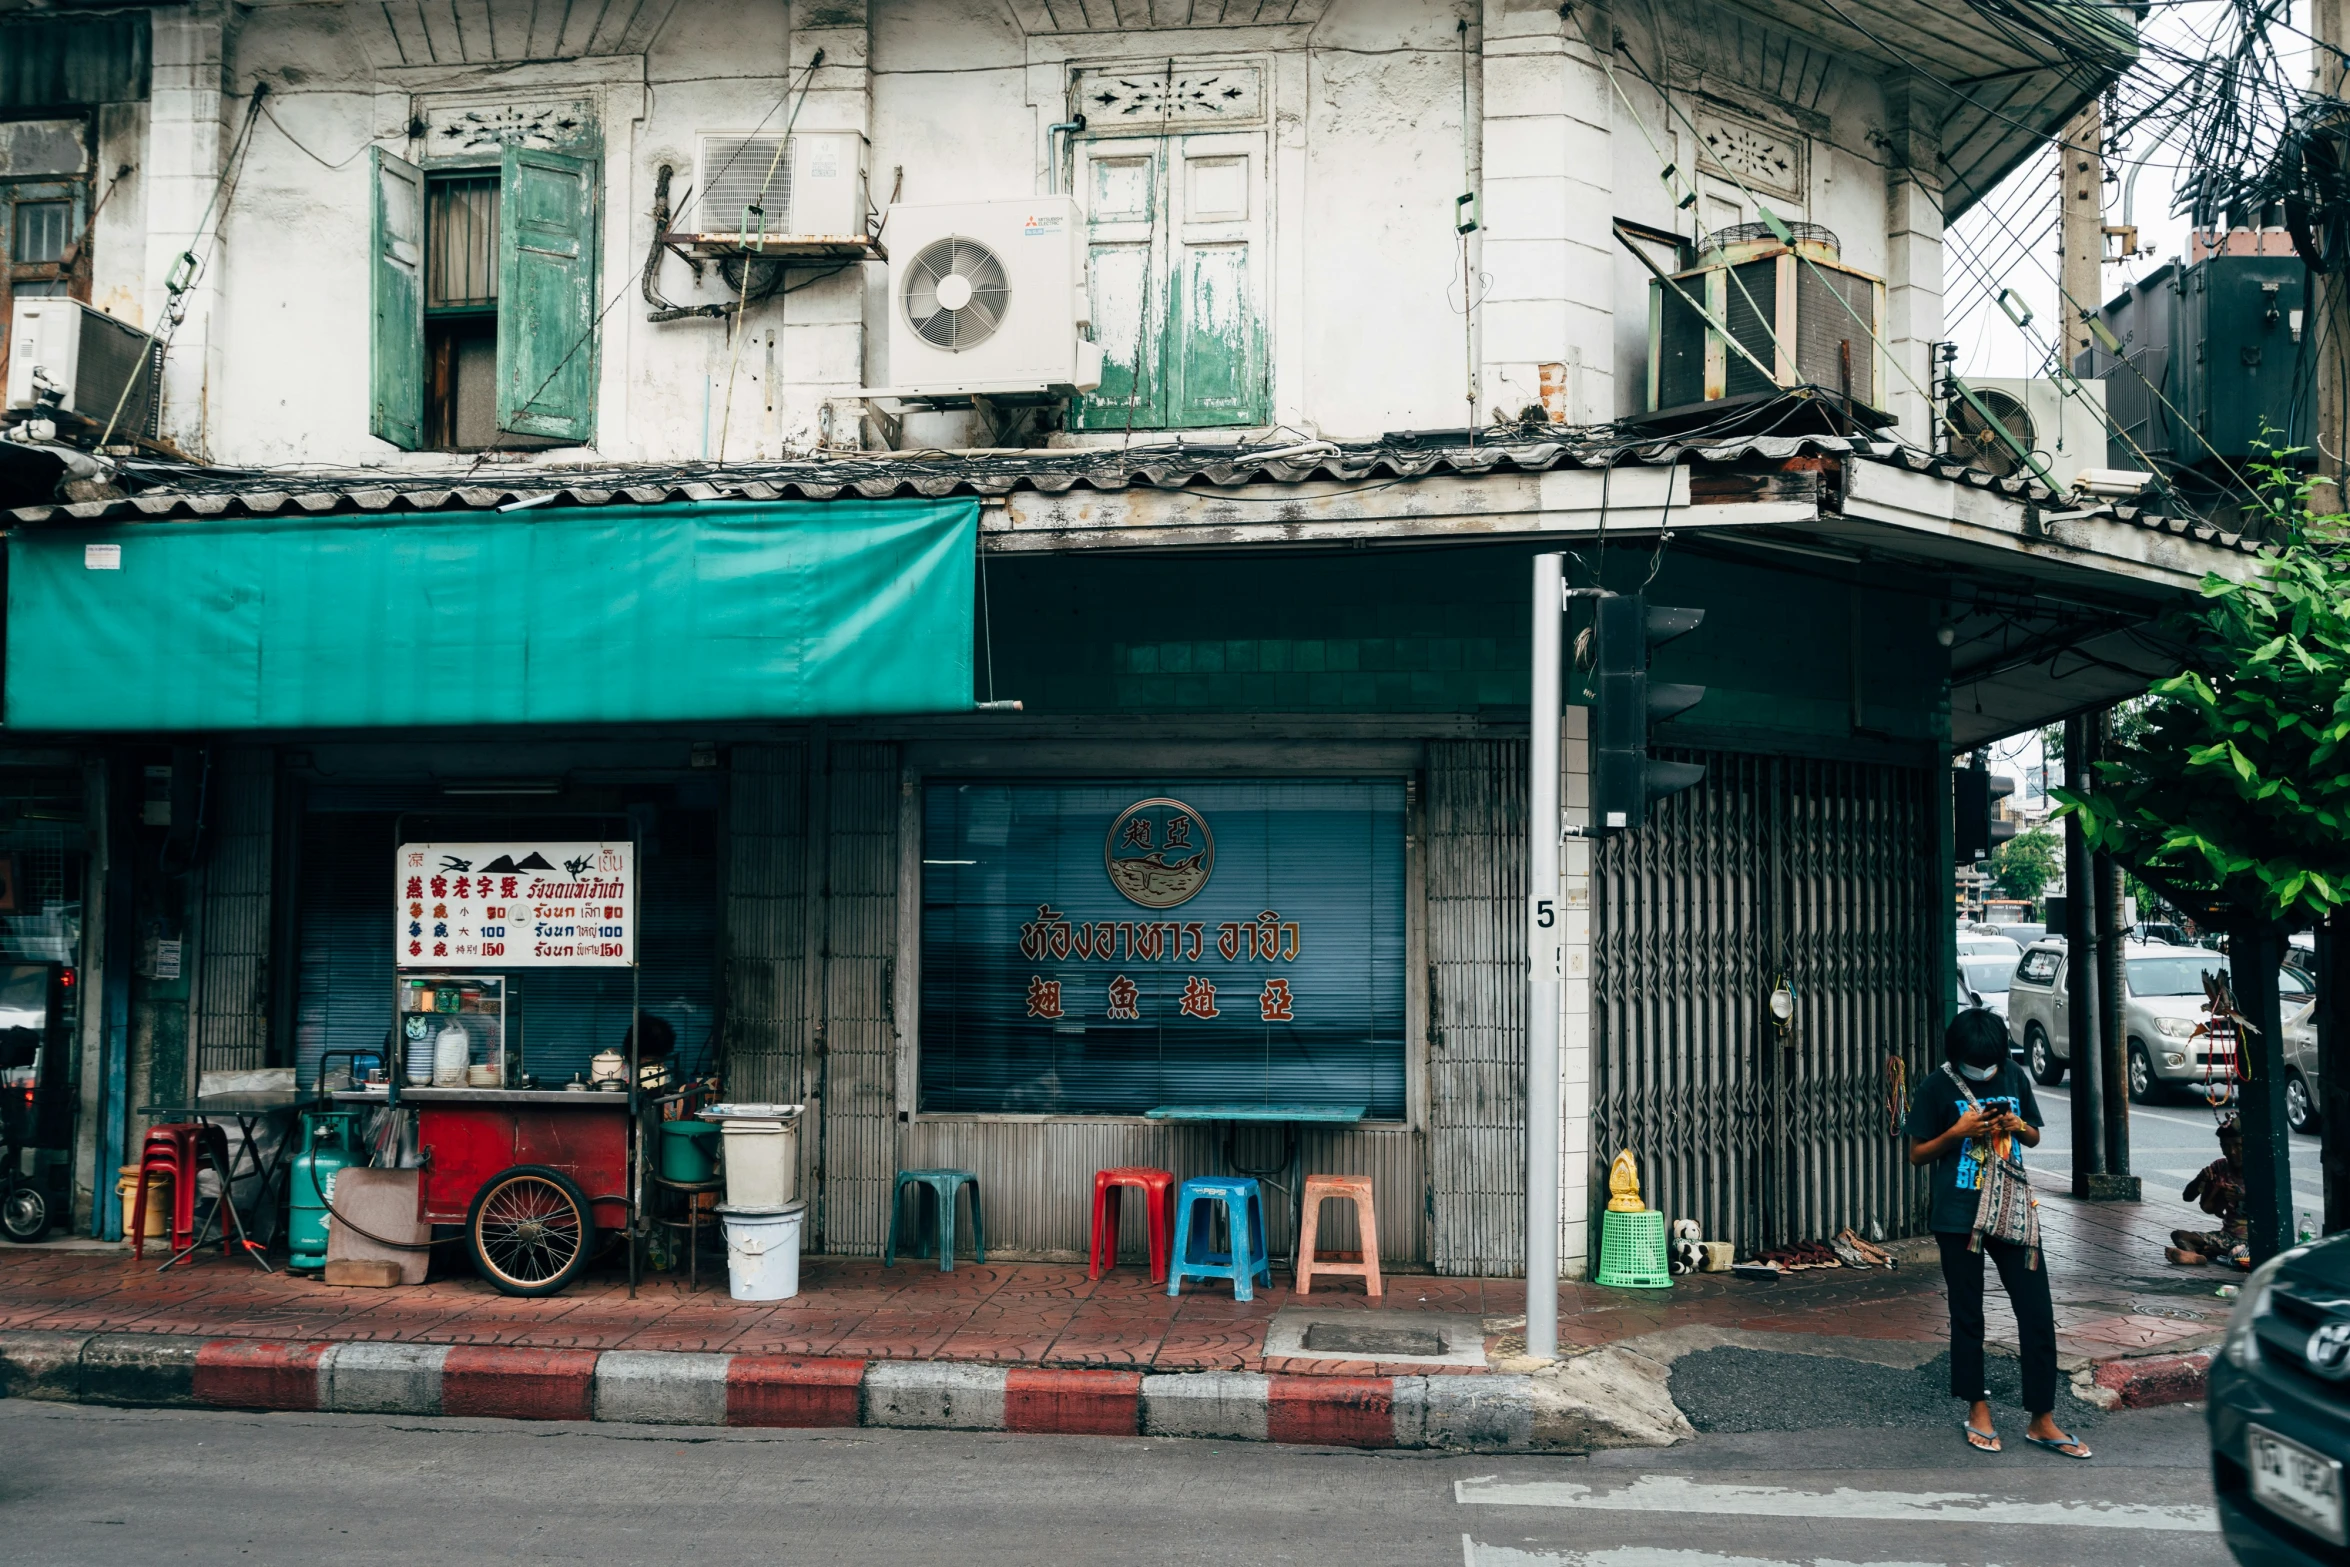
(1979, 1074)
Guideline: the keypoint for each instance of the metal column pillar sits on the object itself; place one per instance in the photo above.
(1546, 958)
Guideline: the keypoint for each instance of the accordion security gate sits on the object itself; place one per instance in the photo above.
(1817, 872)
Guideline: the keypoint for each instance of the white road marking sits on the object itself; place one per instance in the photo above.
(1681, 1494)
(1474, 1554)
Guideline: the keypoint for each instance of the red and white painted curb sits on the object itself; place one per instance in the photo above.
(1477, 1413)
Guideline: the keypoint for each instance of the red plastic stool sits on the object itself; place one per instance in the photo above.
(1158, 1196)
(177, 1150)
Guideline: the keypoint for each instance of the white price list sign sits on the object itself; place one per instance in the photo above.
(516, 905)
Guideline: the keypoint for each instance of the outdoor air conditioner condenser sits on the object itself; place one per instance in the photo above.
(67, 357)
(1794, 306)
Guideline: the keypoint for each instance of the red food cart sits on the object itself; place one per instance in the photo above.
(531, 1173)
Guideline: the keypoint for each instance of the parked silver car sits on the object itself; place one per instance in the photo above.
(2159, 1014)
(1985, 966)
(2301, 1099)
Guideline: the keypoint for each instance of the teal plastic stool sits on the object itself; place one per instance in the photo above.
(941, 1186)
(1244, 1209)
(1632, 1252)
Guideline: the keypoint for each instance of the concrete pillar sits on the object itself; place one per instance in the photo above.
(1575, 1152)
(2080, 171)
(1914, 111)
(188, 140)
(819, 331)
(1548, 197)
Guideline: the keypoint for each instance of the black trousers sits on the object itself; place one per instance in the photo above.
(2035, 1318)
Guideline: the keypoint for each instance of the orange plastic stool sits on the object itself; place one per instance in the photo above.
(1158, 1194)
(1319, 1189)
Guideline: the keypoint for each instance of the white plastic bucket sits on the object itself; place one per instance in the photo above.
(762, 1163)
(762, 1252)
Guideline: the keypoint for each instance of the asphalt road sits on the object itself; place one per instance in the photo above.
(130, 1487)
(2168, 1144)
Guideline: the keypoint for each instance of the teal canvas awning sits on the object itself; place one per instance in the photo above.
(611, 614)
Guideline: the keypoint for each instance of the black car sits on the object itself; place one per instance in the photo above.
(2280, 1410)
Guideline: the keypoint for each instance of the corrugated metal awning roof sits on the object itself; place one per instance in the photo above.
(217, 492)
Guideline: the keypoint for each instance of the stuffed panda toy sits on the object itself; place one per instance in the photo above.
(1686, 1254)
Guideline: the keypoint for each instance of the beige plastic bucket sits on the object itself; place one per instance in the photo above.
(158, 1201)
(762, 1163)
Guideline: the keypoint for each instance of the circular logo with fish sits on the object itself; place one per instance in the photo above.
(1159, 853)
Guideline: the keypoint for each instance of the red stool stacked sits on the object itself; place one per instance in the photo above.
(176, 1150)
(1158, 1194)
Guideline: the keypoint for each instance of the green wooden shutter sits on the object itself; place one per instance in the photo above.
(547, 295)
(396, 338)
(1218, 353)
(1125, 279)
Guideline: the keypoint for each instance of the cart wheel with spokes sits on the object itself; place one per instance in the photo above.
(529, 1230)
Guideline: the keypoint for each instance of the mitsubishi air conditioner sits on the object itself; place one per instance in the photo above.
(64, 356)
(988, 299)
(770, 195)
(2061, 423)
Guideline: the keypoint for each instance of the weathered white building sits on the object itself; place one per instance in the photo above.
(1372, 284)
(1302, 163)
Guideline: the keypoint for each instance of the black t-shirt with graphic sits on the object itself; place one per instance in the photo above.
(1958, 1174)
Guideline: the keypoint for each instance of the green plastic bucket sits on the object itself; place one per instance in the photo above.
(689, 1150)
(1632, 1252)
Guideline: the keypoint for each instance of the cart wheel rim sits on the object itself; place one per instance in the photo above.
(528, 1230)
(24, 1212)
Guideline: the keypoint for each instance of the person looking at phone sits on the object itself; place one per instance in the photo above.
(1960, 1139)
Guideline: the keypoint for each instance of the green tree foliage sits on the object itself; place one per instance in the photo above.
(2237, 790)
(2025, 864)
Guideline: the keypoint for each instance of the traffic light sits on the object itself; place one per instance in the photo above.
(1976, 826)
(1625, 781)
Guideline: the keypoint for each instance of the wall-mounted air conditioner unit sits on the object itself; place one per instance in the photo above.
(988, 299)
(66, 357)
(2061, 423)
(809, 201)
(1796, 307)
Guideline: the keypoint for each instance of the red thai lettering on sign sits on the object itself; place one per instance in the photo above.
(1044, 997)
(1193, 932)
(1199, 998)
(1124, 998)
(1274, 1002)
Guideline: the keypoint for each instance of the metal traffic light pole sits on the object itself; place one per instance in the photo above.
(1545, 959)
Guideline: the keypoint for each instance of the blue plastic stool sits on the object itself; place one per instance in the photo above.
(1244, 1209)
(941, 1185)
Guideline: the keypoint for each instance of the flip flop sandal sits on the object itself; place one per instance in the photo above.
(1988, 1437)
(2058, 1443)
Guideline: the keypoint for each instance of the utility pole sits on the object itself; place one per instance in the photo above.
(2079, 996)
(2080, 174)
(1545, 961)
(2116, 1183)
(2329, 27)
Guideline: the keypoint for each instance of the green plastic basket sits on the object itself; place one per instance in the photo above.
(1632, 1251)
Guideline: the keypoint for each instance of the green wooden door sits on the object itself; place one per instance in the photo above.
(1174, 230)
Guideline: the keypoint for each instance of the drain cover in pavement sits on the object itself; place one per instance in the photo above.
(1371, 1341)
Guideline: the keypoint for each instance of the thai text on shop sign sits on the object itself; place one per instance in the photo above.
(516, 905)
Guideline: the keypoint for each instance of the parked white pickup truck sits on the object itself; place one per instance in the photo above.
(2163, 1005)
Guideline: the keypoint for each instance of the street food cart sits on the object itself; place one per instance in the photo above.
(533, 1173)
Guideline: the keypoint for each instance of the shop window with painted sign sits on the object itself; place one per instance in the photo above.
(1107, 948)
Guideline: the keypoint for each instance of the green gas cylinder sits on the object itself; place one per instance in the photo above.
(330, 1142)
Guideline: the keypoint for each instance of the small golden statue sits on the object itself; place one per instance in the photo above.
(1623, 1184)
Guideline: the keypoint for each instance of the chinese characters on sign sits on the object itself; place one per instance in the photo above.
(516, 905)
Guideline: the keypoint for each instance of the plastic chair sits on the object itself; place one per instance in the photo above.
(1158, 1192)
(1324, 1188)
(942, 1185)
(176, 1150)
(1244, 1209)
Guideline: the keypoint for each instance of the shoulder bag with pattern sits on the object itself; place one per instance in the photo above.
(2004, 1208)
